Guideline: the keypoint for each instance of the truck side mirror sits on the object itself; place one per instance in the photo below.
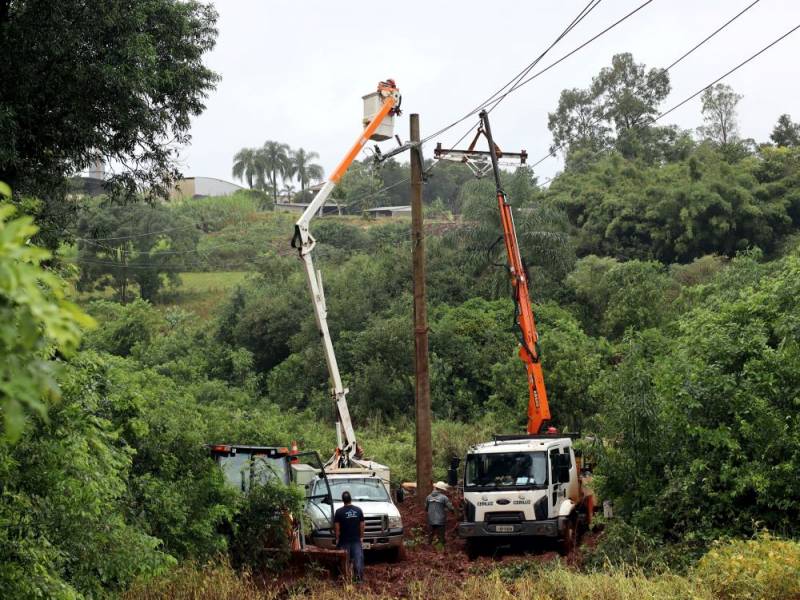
(452, 471)
(327, 499)
(399, 495)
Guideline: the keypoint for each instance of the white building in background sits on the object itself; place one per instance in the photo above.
(389, 211)
(200, 187)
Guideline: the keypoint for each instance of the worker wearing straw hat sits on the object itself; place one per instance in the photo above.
(436, 505)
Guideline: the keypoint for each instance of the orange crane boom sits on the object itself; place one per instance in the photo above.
(538, 408)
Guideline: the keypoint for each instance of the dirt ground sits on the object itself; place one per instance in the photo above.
(423, 561)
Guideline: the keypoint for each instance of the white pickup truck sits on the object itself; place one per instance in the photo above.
(519, 487)
(369, 489)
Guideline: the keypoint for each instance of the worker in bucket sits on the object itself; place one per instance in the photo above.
(436, 505)
(348, 527)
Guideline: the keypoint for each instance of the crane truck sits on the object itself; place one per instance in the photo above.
(348, 469)
(529, 486)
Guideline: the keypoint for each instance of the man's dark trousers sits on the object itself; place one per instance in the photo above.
(437, 530)
(355, 554)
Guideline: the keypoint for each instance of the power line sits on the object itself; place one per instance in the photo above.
(590, 6)
(537, 74)
(697, 93)
(140, 235)
(733, 70)
(582, 15)
(715, 32)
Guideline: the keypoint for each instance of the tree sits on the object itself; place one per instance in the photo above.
(360, 189)
(276, 161)
(106, 80)
(786, 133)
(304, 169)
(615, 110)
(719, 114)
(37, 322)
(247, 165)
(121, 245)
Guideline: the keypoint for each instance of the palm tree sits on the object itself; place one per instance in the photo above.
(247, 165)
(288, 191)
(304, 169)
(275, 157)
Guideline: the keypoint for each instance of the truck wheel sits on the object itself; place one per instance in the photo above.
(473, 551)
(396, 554)
(567, 544)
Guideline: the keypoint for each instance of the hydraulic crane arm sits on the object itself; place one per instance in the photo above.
(538, 409)
(304, 242)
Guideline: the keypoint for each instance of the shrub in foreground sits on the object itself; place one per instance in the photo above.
(759, 569)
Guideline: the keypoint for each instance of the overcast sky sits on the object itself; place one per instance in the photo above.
(295, 71)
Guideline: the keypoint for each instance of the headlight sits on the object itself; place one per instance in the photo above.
(395, 522)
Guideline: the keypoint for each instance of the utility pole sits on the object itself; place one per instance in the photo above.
(422, 387)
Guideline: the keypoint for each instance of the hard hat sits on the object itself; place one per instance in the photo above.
(441, 486)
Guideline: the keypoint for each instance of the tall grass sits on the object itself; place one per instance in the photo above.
(760, 569)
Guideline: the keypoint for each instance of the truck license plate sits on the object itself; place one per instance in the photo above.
(366, 545)
(504, 528)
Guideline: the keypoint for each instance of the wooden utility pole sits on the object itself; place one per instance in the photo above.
(422, 387)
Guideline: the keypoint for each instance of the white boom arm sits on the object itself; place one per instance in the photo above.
(344, 427)
(347, 448)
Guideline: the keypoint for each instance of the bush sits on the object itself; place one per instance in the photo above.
(622, 546)
(762, 568)
(262, 528)
(216, 212)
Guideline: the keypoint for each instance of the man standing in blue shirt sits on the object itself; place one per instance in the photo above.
(348, 526)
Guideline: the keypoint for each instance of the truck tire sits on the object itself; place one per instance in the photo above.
(569, 541)
(472, 548)
(396, 554)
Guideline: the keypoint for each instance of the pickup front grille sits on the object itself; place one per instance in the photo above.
(375, 525)
(505, 517)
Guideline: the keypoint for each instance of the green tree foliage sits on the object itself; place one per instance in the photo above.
(719, 114)
(247, 166)
(305, 169)
(262, 527)
(143, 90)
(276, 162)
(680, 211)
(360, 189)
(64, 530)
(141, 244)
(786, 132)
(703, 423)
(38, 324)
(613, 112)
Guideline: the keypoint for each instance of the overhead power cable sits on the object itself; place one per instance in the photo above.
(583, 13)
(711, 35)
(515, 82)
(733, 70)
(651, 120)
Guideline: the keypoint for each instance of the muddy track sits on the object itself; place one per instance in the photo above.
(423, 562)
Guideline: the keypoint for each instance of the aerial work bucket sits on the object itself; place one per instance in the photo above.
(372, 105)
(375, 102)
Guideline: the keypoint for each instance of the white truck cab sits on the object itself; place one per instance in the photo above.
(522, 487)
(383, 526)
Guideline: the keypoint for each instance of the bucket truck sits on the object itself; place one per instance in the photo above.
(528, 486)
(348, 470)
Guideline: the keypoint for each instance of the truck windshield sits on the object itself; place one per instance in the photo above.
(361, 490)
(506, 470)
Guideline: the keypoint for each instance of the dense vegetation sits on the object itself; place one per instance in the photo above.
(665, 269)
